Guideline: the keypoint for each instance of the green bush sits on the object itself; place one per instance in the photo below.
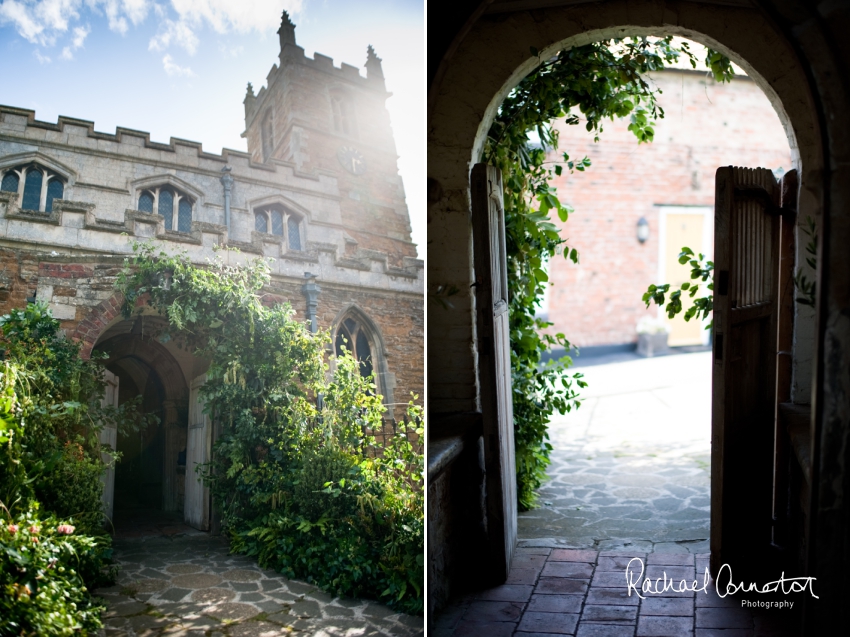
(73, 487)
(50, 468)
(318, 468)
(298, 481)
(42, 591)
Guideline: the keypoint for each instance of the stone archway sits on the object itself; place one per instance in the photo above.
(797, 53)
(150, 474)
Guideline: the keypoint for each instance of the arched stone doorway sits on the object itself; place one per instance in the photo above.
(796, 53)
(152, 474)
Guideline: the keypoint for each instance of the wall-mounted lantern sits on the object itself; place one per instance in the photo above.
(643, 230)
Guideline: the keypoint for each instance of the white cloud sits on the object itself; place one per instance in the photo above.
(173, 69)
(39, 21)
(119, 11)
(42, 22)
(223, 15)
(80, 35)
(177, 32)
(44, 59)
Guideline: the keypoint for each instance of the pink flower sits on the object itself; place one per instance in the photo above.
(35, 540)
(67, 529)
(13, 528)
(33, 529)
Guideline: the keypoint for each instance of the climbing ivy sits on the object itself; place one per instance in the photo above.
(299, 482)
(583, 85)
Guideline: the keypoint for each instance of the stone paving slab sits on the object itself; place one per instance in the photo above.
(632, 463)
(188, 585)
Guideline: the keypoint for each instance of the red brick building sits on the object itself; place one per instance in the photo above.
(670, 184)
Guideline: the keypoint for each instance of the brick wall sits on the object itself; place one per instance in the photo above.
(707, 125)
(81, 293)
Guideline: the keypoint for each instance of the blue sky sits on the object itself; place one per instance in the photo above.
(179, 68)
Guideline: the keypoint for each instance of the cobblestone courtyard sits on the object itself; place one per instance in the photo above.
(184, 583)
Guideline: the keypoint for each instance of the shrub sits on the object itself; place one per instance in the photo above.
(73, 488)
(50, 468)
(297, 480)
(41, 589)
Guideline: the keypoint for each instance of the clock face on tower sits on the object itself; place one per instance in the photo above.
(352, 160)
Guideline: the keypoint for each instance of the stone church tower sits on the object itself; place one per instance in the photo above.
(318, 191)
(322, 118)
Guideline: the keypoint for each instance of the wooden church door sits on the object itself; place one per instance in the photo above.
(494, 364)
(196, 509)
(747, 233)
(109, 437)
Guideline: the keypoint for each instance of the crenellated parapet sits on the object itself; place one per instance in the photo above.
(114, 188)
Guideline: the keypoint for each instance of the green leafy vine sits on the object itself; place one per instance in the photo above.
(587, 84)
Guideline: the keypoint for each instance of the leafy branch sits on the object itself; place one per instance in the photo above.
(591, 83)
(702, 276)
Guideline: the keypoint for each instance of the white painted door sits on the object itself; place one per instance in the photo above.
(494, 355)
(109, 438)
(196, 510)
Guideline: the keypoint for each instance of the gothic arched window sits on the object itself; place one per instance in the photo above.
(10, 182)
(146, 202)
(267, 134)
(293, 231)
(55, 190)
(278, 221)
(261, 221)
(351, 336)
(36, 185)
(164, 201)
(343, 114)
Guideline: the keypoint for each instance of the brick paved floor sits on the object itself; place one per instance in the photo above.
(629, 478)
(584, 593)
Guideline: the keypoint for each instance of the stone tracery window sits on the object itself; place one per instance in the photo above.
(343, 114)
(278, 221)
(351, 335)
(165, 201)
(267, 134)
(36, 185)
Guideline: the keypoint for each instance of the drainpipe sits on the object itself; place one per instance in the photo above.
(311, 291)
(227, 182)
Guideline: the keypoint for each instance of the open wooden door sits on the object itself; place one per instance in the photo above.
(746, 309)
(196, 509)
(109, 438)
(494, 364)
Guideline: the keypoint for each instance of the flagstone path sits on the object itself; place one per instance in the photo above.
(632, 463)
(184, 583)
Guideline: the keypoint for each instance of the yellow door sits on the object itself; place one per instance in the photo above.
(683, 230)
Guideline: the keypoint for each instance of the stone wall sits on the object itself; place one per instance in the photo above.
(297, 99)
